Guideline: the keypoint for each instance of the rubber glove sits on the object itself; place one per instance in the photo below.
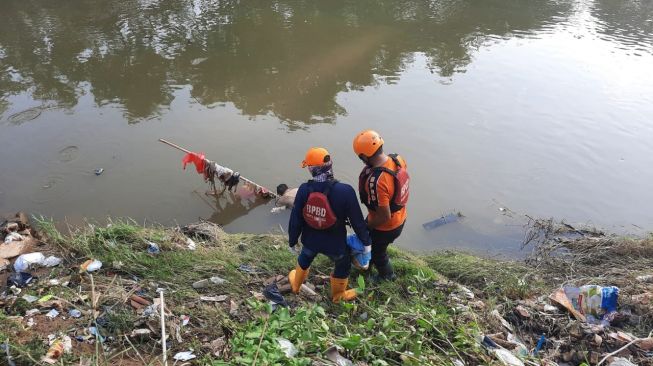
(362, 260)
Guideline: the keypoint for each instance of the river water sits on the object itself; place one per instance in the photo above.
(502, 108)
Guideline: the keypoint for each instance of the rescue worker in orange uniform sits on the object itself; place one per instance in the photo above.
(321, 208)
(383, 186)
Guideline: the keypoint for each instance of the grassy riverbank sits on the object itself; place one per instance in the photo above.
(424, 318)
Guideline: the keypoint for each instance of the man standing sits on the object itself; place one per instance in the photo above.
(320, 210)
(383, 186)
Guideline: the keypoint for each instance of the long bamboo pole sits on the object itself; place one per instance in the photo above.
(246, 180)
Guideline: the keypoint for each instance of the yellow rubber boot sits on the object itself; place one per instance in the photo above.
(296, 277)
(339, 290)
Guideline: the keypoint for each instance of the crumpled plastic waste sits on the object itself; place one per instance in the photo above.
(75, 313)
(29, 298)
(4, 347)
(58, 346)
(334, 356)
(271, 292)
(13, 237)
(592, 304)
(184, 356)
(90, 265)
(361, 255)
(190, 244)
(153, 248)
(52, 314)
(287, 347)
(249, 269)
(24, 261)
(20, 279)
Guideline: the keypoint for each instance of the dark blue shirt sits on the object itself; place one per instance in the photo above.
(344, 203)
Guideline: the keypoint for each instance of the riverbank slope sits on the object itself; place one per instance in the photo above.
(445, 308)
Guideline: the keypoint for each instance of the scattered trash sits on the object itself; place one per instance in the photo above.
(507, 358)
(13, 237)
(590, 303)
(504, 322)
(190, 244)
(249, 269)
(32, 312)
(233, 308)
(138, 302)
(452, 217)
(645, 278)
(185, 319)
(46, 298)
(140, 332)
(334, 356)
(5, 347)
(271, 292)
(94, 332)
(208, 281)
(29, 298)
(287, 347)
(90, 265)
(217, 346)
(221, 298)
(52, 314)
(24, 261)
(184, 356)
(153, 248)
(58, 346)
(539, 345)
(98, 171)
(360, 258)
(620, 361)
(75, 313)
(20, 279)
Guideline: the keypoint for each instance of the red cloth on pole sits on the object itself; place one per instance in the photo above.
(194, 158)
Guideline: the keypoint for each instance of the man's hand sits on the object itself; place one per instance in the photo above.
(293, 249)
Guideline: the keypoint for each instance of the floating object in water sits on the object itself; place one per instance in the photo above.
(98, 171)
(447, 219)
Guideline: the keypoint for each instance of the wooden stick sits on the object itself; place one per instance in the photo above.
(175, 146)
(270, 193)
(163, 332)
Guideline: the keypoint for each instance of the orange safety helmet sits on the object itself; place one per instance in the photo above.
(316, 156)
(367, 143)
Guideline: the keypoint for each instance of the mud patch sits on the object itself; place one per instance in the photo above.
(25, 116)
(68, 154)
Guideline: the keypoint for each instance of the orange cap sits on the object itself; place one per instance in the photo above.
(315, 156)
(367, 143)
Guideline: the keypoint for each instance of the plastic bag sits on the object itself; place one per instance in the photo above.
(24, 261)
(593, 300)
(359, 258)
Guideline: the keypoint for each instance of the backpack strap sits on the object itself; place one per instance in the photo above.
(395, 158)
(330, 185)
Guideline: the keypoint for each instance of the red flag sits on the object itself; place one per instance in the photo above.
(194, 158)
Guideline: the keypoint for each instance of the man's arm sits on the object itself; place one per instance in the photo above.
(356, 218)
(381, 216)
(296, 223)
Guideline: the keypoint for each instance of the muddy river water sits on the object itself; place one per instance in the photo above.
(502, 108)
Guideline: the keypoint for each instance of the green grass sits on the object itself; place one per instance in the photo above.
(407, 322)
(503, 279)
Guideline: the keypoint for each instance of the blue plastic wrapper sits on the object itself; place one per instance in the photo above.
(359, 258)
(355, 244)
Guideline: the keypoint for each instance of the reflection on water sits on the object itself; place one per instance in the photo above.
(288, 59)
(544, 106)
